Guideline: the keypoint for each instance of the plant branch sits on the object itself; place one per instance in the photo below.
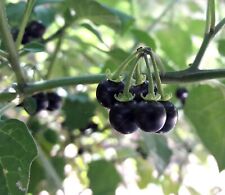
(207, 38)
(26, 16)
(10, 46)
(169, 77)
(53, 57)
(50, 170)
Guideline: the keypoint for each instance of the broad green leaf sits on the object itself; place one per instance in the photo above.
(101, 14)
(92, 29)
(144, 171)
(205, 109)
(34, 47)
(144, 37)
(176, 44)
(30, 105)
(7, 97)
(40, 2)
(158, 148)
(78, 110)
(221, 47)
(45, 14)
(103, 177)
(17, 151)
(195, 27)
(15, 12)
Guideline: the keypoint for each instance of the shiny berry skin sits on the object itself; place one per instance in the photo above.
(35, 29)
(122, 118)
(139, 90)
(150, 116)
(54, 101)
(41, 101)
(171, 116)
(106, 91)
(182, 94)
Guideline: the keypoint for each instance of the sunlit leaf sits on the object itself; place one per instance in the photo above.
(205, 109)
(103, 177)
(17, 153)
(101, 14)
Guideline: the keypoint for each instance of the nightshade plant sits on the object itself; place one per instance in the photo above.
(129, 85)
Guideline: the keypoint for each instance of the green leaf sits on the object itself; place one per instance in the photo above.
(144, 37)
(30, 105)
(92, 29)
(34, 47)
(101, 14)
(103, 177)
(221, 47)
(15, 12)
(144, 171)
(17, 152)
(205, 109)
(158, 148)
(40, 2)
(78, 110)
(7, 97)
(176, 44)
(45, 14)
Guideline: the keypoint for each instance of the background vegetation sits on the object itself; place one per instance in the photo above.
(78, 151)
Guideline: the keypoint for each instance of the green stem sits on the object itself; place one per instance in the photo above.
(212, 14)
(128, 82)
(157, 76)
(123, 66)
(208, 18)
(138, 75)
(184, 76)
(26, 16)
(10, 47)
(49, 169)
(205, 43)
(53, 57)
(150, 77)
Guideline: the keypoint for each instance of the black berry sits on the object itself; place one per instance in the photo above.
(41, 101)
(182, 94)
(171, 116)
(150, 116)
(35, 29)
(54, 101)
(139, 90)
(106, 92)
(122, 118)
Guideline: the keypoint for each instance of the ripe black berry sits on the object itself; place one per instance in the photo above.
(150, 116)
(171, 116)
(35, 29)
(139, 90)
(121, 117)
(54, 101)
(182, 94)
(41, 101)
(106, 92)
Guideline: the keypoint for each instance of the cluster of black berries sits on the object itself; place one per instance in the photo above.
(34, 30)
(127, 117)
(50, 101)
